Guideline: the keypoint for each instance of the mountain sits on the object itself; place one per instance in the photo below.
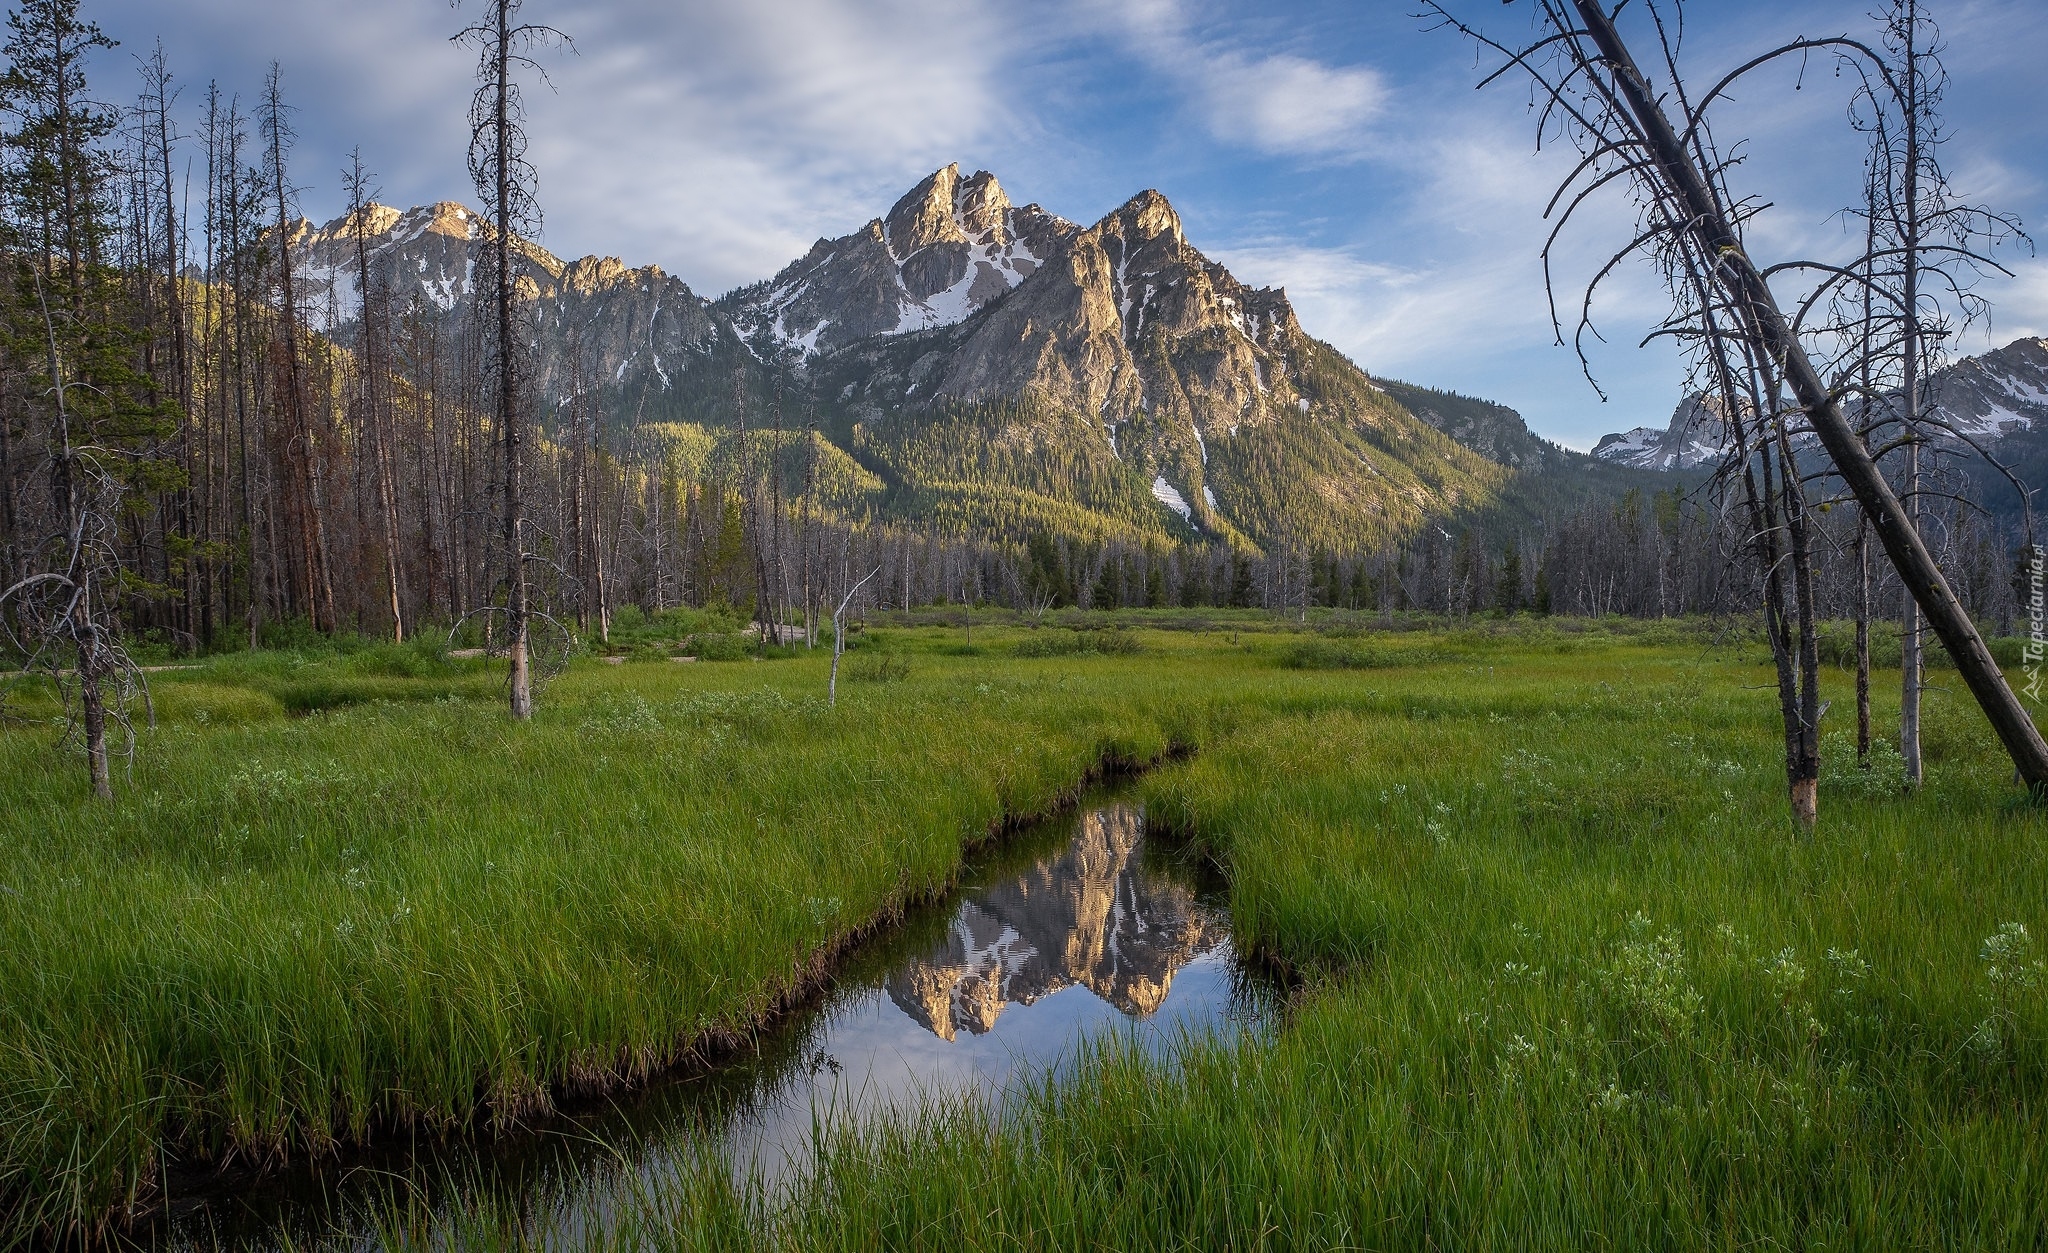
(1989, 398)
(1696, 436)
(1550, 480)
(632, 334)
(1090, 917)
(948, 248)
(1122, 382)
(975, 366)
(1494, 431)
(2002, 392)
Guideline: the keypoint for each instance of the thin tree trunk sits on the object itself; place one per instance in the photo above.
(1911, 660)
(1863, 641)
(509, 416)
(1895, 528)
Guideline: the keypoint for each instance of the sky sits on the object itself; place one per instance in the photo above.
(1336, 148)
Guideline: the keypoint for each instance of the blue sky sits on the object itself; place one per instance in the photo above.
(1329, 146)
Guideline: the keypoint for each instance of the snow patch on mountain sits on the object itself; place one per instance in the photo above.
(947, 249)
(1165, 493)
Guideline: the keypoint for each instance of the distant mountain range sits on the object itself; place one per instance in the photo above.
(977, 366)
(1991, 398)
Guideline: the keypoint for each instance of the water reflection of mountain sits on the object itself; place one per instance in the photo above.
(1090, 916)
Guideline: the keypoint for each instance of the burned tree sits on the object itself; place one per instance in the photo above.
(81, 404)
(1926, 249)
(505, 180)
(1594, 91)
(373, 413)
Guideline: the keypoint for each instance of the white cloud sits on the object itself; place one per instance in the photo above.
(1272, 102)
(723, 137)
(2019, 308)
(1288, 104)
(718, 137)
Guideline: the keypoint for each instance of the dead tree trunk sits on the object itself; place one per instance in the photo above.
(371, 333)
(307, 469)
(497, 162)
(1930, 590)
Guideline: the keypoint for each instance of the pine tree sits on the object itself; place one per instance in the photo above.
(69, 330)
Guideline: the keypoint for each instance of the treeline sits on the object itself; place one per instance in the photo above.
(175, 440)
(179, 449)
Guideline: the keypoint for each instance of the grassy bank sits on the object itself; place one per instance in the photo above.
(1572, 978)
(1578, 986)
(343, 893)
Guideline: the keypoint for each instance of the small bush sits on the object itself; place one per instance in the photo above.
(417, 660)
(1322, 654)
(875, 668)
(719, 646)
(1882, 777)
(1091, 642)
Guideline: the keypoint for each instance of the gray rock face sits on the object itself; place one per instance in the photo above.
(1986, 398)
(949, 247)
(628, 330)
(1697, 436)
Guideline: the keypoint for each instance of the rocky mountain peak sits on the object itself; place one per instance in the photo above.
(948, 248)
(925, 214)
(1145, 217)
(591, 274)
(447, 217)
(982, 208)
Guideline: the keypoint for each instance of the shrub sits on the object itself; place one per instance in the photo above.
(719, 646)
(1088, 642)
(1323, 654)
(1842, 775)
(875, 668)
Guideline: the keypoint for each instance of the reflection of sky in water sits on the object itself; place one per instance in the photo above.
(886, 1059)
(1030, 958)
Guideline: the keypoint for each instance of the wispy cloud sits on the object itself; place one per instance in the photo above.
(1276, 102)
(718, 137)
(1323, 145)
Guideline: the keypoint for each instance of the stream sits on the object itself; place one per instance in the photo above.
(1074, 930)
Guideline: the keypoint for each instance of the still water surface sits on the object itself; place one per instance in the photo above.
(1077, 930)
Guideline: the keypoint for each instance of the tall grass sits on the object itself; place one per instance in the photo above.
(1577, 983)
(293, 930)
(1572, 977)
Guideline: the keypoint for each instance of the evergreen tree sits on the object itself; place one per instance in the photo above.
(1508, 597)
(69, 331)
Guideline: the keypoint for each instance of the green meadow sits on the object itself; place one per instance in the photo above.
(1568, 975)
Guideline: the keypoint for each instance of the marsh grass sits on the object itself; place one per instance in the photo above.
(319, 911)
(1078, 642)
(1571, 977)
(1316, 653)
(1574, 982)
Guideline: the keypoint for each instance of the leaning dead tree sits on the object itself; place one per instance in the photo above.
(1643, 130)
(505, 180)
